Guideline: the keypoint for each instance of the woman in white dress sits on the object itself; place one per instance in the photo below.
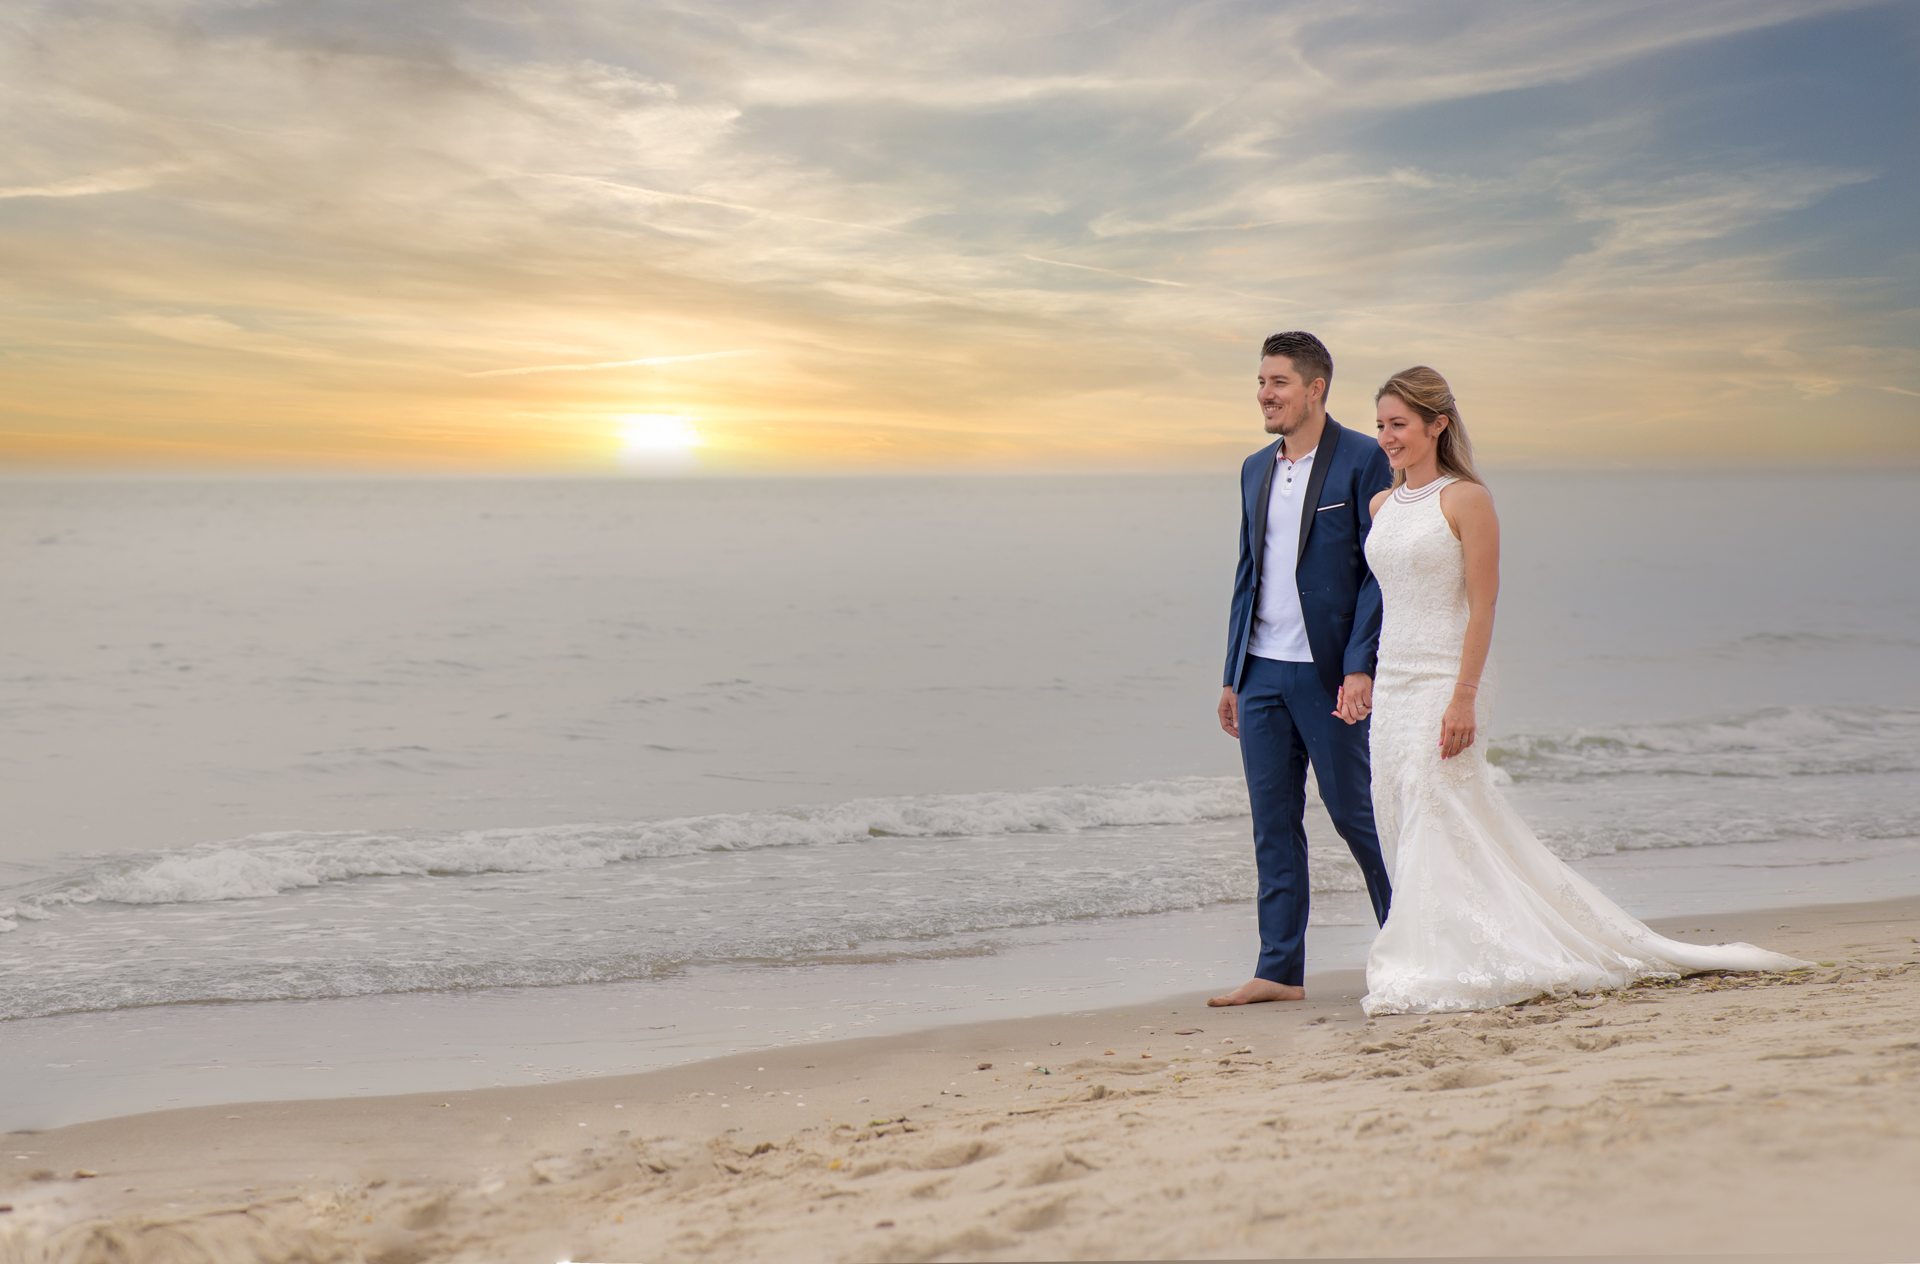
(1483, 914)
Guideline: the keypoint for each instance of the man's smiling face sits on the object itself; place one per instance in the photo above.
(1286, 400)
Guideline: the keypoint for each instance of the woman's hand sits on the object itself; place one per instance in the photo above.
(1354, 702)
(1456, 726)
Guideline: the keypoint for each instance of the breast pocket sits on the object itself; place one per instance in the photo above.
(1334, 522)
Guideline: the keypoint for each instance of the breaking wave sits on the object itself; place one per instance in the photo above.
(266, 864)
(1775, 742)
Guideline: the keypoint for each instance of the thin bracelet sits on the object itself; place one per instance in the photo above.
(1464, 685)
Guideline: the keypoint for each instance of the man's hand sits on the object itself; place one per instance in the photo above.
(1354, 703)
(1229, 713)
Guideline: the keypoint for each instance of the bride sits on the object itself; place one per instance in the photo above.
(1483, 914)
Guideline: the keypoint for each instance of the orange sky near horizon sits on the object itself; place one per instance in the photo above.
(237, 237)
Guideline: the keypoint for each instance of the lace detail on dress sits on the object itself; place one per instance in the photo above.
(1483, 914)
(1409, 496)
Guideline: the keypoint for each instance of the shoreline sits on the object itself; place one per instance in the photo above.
(1760, 1114)
(101, 1064)
(91, 1066)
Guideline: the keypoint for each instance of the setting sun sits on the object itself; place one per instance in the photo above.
(652, 434)
(657, 443)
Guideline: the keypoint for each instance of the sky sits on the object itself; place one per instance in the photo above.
(581, 235)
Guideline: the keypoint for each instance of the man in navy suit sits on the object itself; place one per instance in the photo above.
(1300, 649)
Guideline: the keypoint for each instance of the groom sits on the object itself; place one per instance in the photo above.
(1300, 649)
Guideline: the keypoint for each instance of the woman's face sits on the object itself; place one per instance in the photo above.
(1404, 437)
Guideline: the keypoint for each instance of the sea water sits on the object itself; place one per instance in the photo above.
(575, 756)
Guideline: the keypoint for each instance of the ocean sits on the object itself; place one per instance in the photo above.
(458, 782)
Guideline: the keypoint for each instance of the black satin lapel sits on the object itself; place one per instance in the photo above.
(1322, 462)
(1259, 541)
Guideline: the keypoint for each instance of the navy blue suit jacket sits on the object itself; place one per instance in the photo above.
(1338, 594)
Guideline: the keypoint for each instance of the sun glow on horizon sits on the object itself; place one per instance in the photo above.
(658, 432)
(658, 441)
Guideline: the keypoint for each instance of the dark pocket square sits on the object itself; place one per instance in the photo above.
(1324, 508)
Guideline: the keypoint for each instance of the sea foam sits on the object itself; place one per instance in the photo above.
(266, 864)
(1773, 742)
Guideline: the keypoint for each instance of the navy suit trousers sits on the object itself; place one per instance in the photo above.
(1287, 723)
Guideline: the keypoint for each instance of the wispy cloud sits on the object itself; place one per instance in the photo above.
(606, 364)
(1056, 227)
(1125, 276)
(123, 181)
(633, 191)
(214, 331)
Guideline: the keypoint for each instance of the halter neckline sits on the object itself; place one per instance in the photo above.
(1406, 497)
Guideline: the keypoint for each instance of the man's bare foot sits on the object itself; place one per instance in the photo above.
(1260, 990)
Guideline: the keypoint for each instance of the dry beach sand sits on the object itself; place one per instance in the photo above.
(1722, 1115)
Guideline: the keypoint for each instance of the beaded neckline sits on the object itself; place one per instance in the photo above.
(1406, 497)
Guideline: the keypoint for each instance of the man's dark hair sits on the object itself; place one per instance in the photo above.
(1310, 356)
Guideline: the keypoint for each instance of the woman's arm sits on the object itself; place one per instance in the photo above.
(1469, 511)
(1354, 702)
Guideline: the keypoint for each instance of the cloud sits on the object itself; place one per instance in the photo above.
(122, 181)
(1126, 276)
(213, 331)
(1057, 227)
(606, 364)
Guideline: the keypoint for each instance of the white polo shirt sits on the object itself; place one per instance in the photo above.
(1279, 626)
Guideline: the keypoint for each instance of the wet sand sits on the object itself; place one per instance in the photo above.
(1742, 1114)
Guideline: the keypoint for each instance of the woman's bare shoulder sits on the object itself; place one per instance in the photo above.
(1472, 505)
(1379, 499)
(1465, 495)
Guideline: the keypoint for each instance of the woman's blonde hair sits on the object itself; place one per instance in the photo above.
(1428, 394)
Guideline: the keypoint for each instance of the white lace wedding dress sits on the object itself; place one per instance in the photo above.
(1483, 914)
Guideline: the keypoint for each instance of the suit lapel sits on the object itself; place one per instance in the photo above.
(1259, 515)
(1322, 461)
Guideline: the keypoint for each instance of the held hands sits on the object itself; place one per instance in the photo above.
(1354, 702)
(1456, 726)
